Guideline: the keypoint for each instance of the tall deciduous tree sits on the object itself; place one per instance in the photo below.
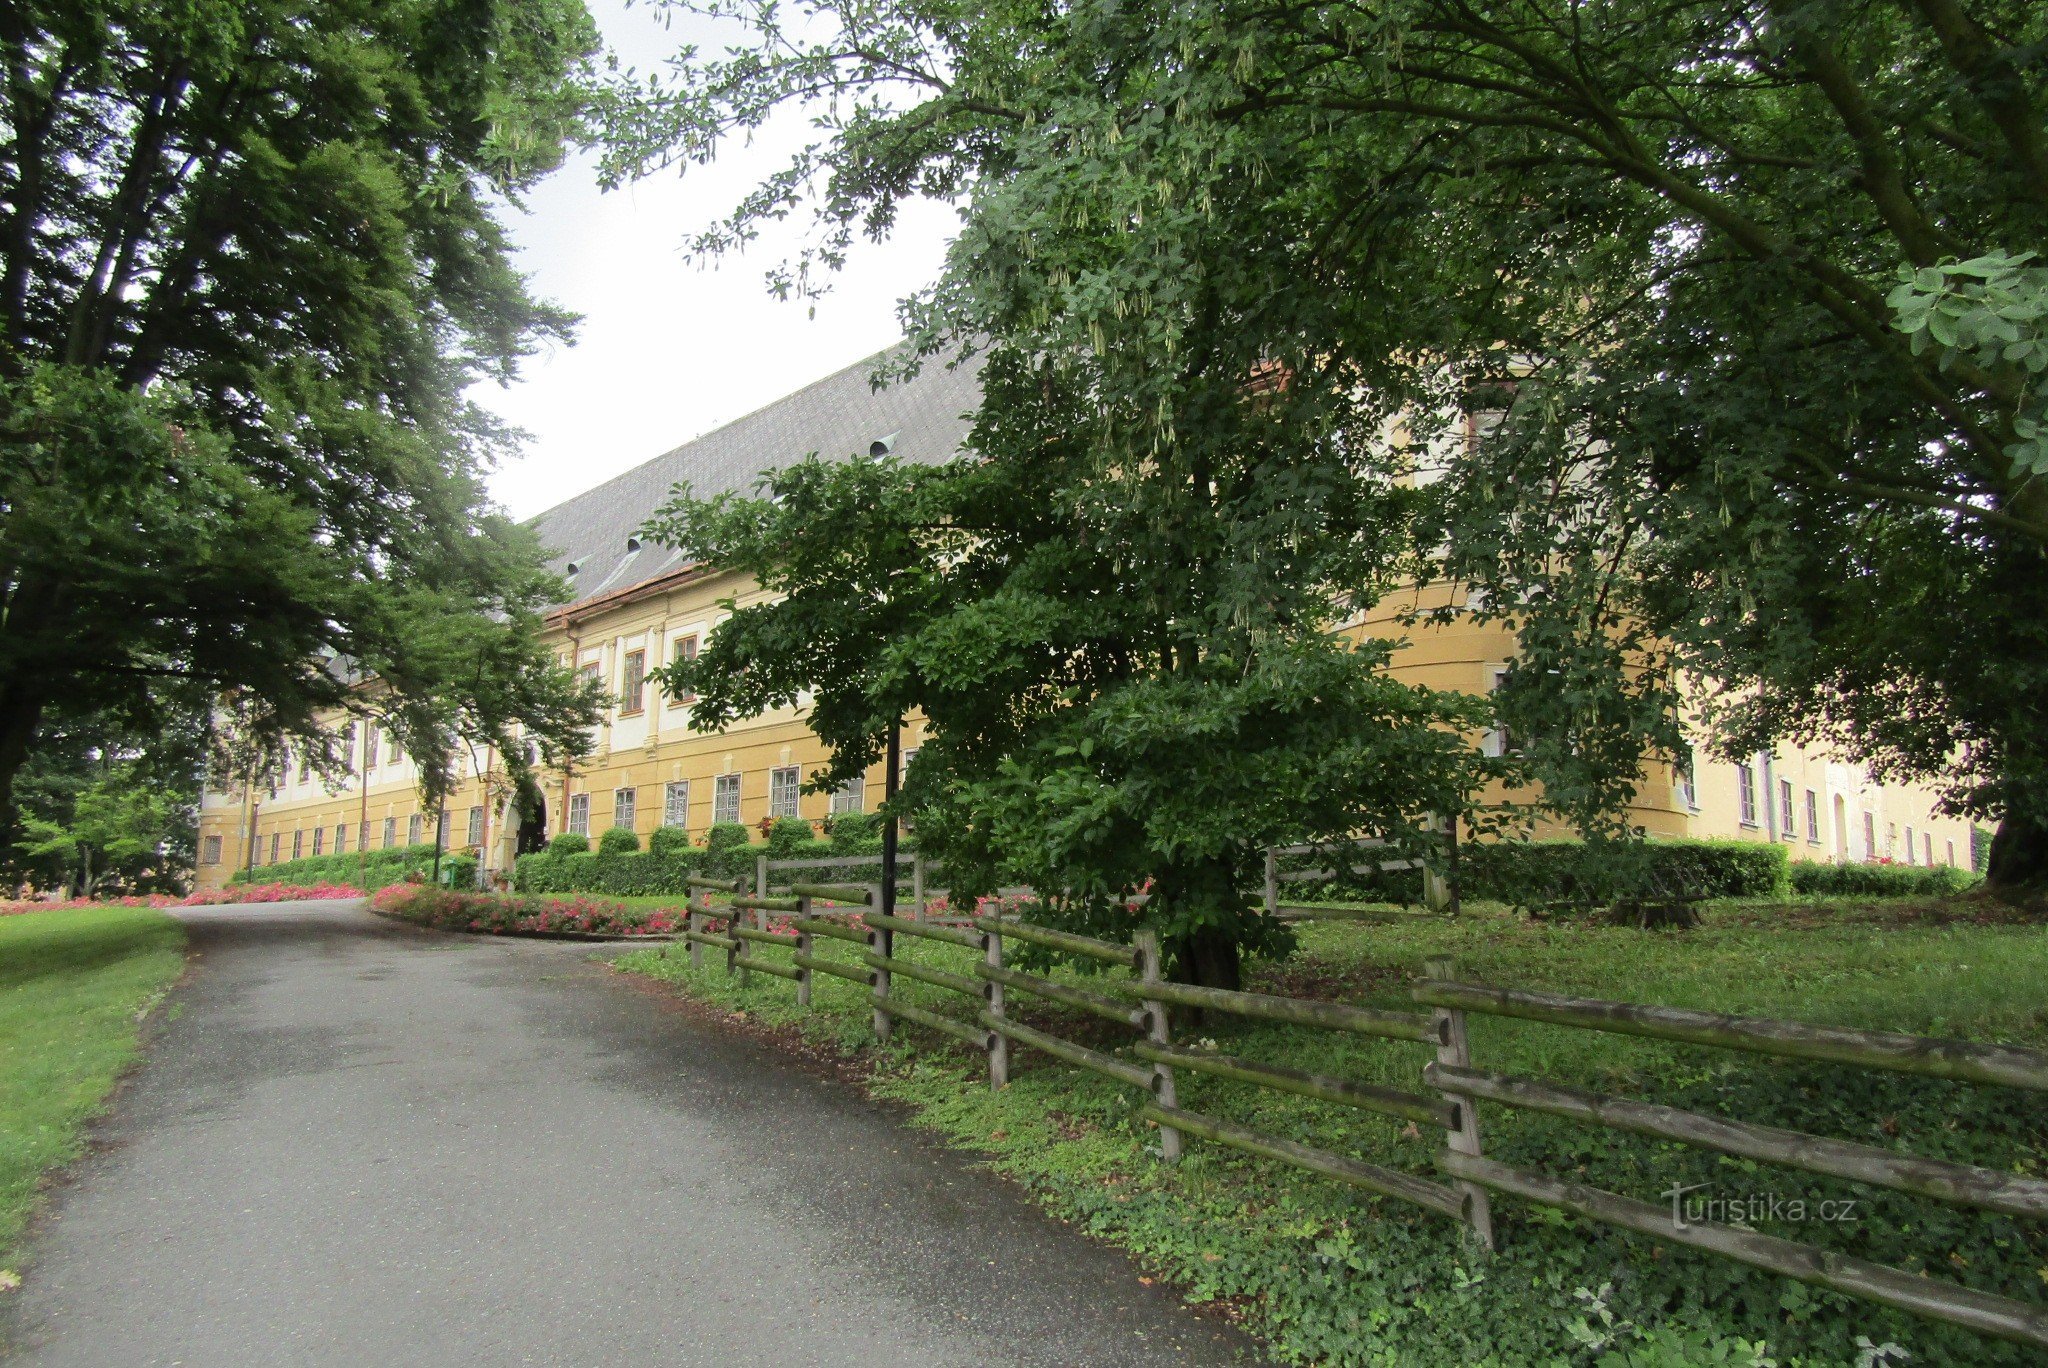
(250, 261)
(1746, 292)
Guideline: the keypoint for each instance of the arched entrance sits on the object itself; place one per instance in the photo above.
(533, 818)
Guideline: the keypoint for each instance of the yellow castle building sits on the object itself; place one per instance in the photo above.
(636, 604)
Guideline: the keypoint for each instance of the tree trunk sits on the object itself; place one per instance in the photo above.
(1209, 958)
(2019, 856)
(19, 719)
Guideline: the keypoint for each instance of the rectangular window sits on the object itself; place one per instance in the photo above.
(298, 843)
(1951, 854)
(306, 768)
(413, 825)
(370, 744)
(1687, 770)
(782, 788)
(851, 796)
(348, 749)
(685, 650)
(394, 750)
(340, 837)
(209, 850)
(390, 832)
(579, 813)
(319, 839)
(1785, 820)
(633, 688)
(1927, 848)
(1813, 816)
(1869, 836)
(476, 826)
(1745, 793)
(725, 798)
(441, 829)
(625, 807)
(675, 804)
(275, 837)
(908, 756)
(1909, 845)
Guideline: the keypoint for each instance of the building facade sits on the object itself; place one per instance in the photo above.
(635, 606)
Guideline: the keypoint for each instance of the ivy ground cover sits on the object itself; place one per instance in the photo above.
(1333, 1276)
(75, 986)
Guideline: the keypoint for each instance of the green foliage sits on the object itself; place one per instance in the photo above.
(1330, 1276)
(368, 871)
(790, 838)
(612, 874)
(1879, 880)
(855, 833)
(105, 811)
(569, 843)
(458, 871)
(668, 841)
(725, 836)
(253, 262)
(618, 841)
(1625, 252)
(1541, 873)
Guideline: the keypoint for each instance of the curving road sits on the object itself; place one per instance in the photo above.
(358, 1143)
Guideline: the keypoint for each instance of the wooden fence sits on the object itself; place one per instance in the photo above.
(1449, 1090)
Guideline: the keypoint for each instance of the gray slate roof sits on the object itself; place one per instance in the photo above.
(924, 420)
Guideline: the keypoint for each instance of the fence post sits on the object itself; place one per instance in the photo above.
(883, 942)
(998, 1043)
(1436, 888)
(1151, 971)
(1454, 1051)
(803, 947)
(1272, 882)
(917, 885)
(697, 925)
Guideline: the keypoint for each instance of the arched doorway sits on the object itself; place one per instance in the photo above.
(533, 818)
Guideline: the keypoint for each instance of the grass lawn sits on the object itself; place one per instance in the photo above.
(1331, 1275)
(74, 986)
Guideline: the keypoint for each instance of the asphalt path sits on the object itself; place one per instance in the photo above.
(355, 1142)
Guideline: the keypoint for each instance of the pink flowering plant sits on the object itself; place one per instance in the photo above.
(213, 897)
(497, 914)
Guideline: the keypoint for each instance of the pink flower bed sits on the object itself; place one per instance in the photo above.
(235, 893)
(497, 914)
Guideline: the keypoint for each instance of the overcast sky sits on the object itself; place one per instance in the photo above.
(669, 350)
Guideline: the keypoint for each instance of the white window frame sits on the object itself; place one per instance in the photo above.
(476, 826)
(626, 807)
(1813, 817)
(390, 832)
(851, 796)
(579, 813)
(675, 804)
(415, 828)
(209, 850)
(725, 799)
(785, 788)
(1745, 793)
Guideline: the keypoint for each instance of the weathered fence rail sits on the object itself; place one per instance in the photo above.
(1448, 1093)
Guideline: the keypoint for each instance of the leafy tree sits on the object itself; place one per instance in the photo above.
(249, 264)
(106, 811)
(1123, 658)
(1743, 294)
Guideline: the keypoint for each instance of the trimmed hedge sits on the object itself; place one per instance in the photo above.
(569, 843)
(1880, 880)
(1546, 873)
(618, 840)
(378, 869)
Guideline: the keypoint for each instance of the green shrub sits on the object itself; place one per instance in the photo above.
(569, 843)
(619, 876)
(668, 841)
(369, 870)
(1540, 873)
(855, 833)
(1879, 880)
(790, 838)
(618, 840)
(458, 871)
(726, 835)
